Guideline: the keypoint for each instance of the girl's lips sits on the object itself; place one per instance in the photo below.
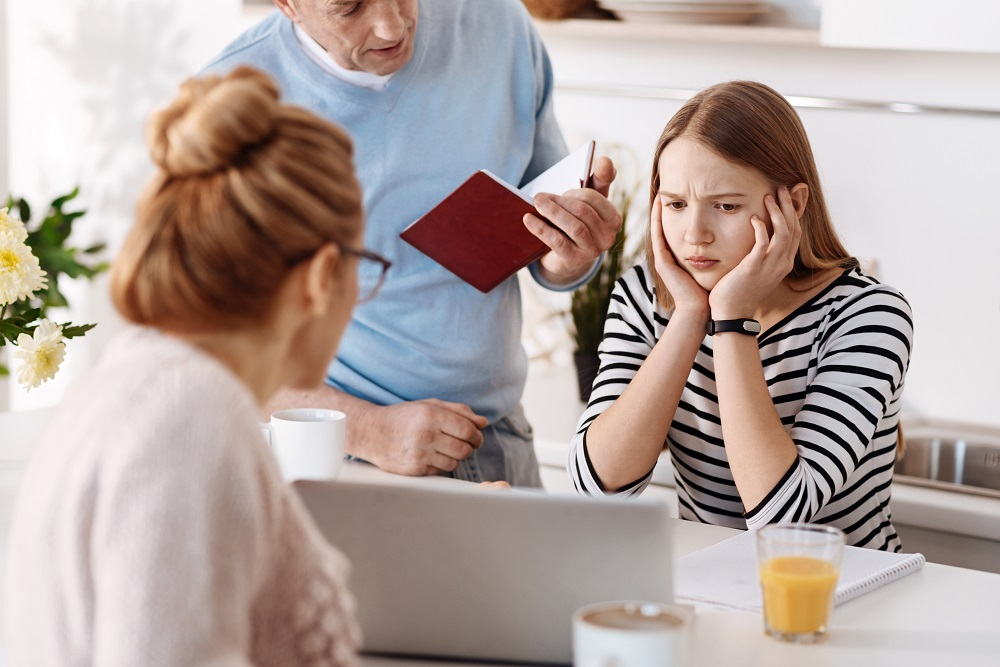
(701, 262)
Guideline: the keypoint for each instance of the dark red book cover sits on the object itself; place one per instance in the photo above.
(477, 232)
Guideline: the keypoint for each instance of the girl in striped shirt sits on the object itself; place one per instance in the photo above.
(749, 342)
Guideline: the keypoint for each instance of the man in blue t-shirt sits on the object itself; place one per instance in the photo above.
(432, 371)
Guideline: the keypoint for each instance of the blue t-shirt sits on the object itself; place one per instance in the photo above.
(476, 95)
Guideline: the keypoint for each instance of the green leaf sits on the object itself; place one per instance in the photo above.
(24, 210)
(10, 330)
(58, 202)
(4, 371)
(77, 330)
(49, 243)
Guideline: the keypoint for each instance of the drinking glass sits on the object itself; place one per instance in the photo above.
(799, 565)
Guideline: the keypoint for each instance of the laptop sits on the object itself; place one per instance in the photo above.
(459, 571)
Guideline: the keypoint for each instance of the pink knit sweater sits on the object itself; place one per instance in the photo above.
(153, 528)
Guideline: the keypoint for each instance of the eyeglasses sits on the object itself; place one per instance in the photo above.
(367, 292)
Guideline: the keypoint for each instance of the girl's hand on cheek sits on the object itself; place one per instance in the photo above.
(688, 295)
(743, 289)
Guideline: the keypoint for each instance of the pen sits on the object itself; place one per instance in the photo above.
(588, 178)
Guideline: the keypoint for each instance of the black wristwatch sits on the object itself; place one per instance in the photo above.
(744, 325)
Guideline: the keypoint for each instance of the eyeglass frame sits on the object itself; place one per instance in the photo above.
(361, 254)
(365, 253)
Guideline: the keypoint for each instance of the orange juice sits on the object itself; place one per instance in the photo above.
(798, 593)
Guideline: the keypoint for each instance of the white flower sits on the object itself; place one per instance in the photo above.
(20, 274)
(12, 225)
(40, 354)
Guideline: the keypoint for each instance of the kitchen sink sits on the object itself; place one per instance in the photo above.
(953, 457)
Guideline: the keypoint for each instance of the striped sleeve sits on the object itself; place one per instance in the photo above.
(841, 429)
(630, 332)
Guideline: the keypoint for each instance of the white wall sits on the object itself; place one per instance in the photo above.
(3, 105)
(81, 77)
(911, 192)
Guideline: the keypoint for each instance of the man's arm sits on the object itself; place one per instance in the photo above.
(425, 437)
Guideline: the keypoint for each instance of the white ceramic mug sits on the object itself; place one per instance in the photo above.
(630, 634)
(308, 442)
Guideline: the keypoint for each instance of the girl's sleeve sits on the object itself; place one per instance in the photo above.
(630, 332)
(860, 370)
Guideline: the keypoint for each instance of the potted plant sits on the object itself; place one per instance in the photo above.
(589, 304)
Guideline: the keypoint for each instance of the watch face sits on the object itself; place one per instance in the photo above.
(751, 326)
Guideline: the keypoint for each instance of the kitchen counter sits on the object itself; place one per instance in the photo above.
(933, 509)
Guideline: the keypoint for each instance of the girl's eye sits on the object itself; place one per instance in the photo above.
(676, 205)
(729, 208)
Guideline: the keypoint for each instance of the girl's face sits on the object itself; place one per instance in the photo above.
(707, 202)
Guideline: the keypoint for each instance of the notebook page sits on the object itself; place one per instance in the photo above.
(724, 575)
(563, 175)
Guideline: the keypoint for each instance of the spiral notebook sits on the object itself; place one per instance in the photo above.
(724, 576)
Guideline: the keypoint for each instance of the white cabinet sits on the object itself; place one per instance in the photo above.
(923, 25)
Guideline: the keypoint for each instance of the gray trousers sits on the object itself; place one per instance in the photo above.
(508, 453)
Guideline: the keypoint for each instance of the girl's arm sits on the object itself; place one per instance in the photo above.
(624, 441)
(842, 439)
(785, 475)
(639, 386)
(759, 449)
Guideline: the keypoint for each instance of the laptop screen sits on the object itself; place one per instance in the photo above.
(460, 571)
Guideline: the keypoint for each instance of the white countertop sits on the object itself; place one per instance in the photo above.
(940, 615)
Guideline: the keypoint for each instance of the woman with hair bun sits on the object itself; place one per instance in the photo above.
(153, 526)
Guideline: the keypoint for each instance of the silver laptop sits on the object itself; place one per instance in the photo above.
(459, 571)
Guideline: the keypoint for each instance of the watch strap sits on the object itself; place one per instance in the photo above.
(744, 325)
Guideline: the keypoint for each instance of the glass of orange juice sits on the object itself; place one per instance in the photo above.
(799, 564)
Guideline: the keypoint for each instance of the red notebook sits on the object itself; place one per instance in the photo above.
(477, 232)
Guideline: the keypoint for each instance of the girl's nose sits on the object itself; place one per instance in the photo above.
(698, 231)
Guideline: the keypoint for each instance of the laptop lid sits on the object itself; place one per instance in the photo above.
(466, 572)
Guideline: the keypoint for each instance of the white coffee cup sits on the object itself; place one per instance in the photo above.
(630, 634)
(308, 442)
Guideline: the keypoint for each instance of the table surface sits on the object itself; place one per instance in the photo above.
(939, 615)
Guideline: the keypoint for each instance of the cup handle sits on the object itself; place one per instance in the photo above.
(268, 433)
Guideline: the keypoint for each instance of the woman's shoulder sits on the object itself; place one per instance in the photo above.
(153, 399)
(857, 288)
(635, 289)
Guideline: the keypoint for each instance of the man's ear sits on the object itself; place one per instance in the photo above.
(320, 279)
(288, 8)
(800, 197)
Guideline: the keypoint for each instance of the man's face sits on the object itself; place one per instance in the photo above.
(364, 35)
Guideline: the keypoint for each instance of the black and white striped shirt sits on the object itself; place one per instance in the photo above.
(834, 368)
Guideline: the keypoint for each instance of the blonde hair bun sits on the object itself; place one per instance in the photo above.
(213, 122)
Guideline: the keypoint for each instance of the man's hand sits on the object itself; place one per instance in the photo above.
(425, 437)
(583, 225)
